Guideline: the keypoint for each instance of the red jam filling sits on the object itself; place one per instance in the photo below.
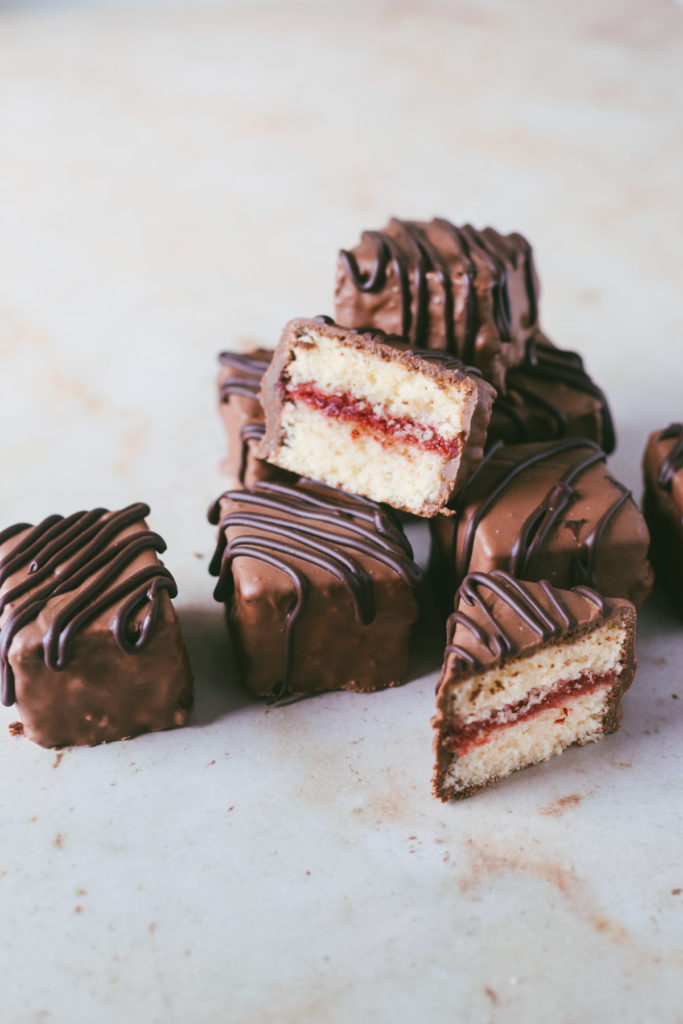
(386, 429)
(462, 738)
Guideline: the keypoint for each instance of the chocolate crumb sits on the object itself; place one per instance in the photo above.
(16, 729)
(676, 892)
(574, 526)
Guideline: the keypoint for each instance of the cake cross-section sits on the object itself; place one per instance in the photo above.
(90, 644)
(320, 589)
(529, 670)
(378, 420)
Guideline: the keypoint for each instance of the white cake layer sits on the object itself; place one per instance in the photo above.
(391, 388)
(600, 651)
(323, 448)
(532, 739)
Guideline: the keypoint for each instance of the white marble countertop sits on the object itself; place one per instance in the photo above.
(176, 179)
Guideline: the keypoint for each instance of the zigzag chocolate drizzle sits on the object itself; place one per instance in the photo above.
(419, 256)
(540, 523)
(500, 643)
(367, 528)
(247, 381)
(545, 363)
(674, 460)
(79, 555)
(386, 252)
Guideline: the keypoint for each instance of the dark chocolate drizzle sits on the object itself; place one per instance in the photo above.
(673, 462)
(367, 528)
(469, 274)
(247, 379)
(539, 526)
(501, 643)
(543, 362)
(386, 252)
(413, 260)
(251, 431)
(80, 555)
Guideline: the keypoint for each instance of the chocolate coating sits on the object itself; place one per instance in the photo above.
(472, 293)
(319, 587)
(85, 604)
(550, 396)
(239, 383)
(548, 511)
(663, 508)
(499, 617)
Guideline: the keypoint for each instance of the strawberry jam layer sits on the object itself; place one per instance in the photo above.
(385, 429)
(462, 738)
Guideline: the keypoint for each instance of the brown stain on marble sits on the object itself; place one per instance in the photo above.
(493, 995)
(67, 389)
(635, 29)
(558, 807)
(386, 807)
(487, 861)
(20, 332)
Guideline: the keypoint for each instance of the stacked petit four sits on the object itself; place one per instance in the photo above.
(434, 392)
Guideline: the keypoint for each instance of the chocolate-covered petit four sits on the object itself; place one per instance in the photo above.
(547, 511)
(319, 586)
(529, 670)
(375, 419)
(90, 644)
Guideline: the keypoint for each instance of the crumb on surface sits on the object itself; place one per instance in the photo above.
(16, 729)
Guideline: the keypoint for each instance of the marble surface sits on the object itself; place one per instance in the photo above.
(176, 179)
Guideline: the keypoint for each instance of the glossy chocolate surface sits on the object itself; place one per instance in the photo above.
(548, 511)
(319, 588)
(550, 396)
